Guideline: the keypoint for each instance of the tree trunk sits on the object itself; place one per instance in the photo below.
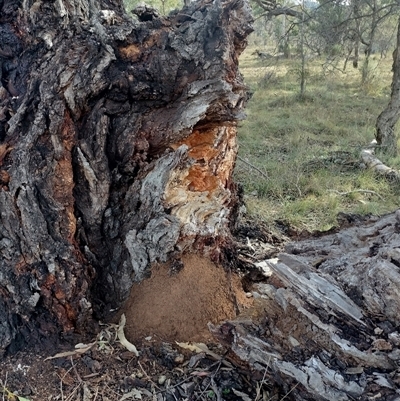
(303, 72)
(356, 54)
(357, 36)
(387, 120)
(325, 325)
(118, 140)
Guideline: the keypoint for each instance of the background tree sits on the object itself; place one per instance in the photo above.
(369, 16)
(387, 120)
(335, 29)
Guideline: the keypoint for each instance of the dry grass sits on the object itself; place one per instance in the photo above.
(305, 152)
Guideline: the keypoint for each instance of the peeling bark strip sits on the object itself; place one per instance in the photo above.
(326, 320)
(117, 144)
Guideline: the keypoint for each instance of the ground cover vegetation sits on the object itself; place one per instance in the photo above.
(299, 157)
(310, 114)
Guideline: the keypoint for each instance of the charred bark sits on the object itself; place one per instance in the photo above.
(325, 325)
(118, 140)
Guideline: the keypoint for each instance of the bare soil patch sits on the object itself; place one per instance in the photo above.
(179, 299)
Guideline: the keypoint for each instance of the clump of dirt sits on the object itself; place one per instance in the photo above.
(176, 306)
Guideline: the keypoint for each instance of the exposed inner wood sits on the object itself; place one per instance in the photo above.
(198, 195)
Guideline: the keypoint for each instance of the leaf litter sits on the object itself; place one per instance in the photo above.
(108, 372)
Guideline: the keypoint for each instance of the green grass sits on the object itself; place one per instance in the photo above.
(309, 148)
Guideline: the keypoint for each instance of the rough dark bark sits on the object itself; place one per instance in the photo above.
(325, 325)
(117, 144)
(387, 120)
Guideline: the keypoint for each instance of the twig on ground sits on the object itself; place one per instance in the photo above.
(61, 382)
(111, 390)
(75, 370)
(173, 386)
(148, 377)
(213, 375)
(366, 191)
(247, 381)
(61, 390)
(285, 396)
(91, 375)
(252, 166)
(262, 381)
(69, 398)
(4, 386)
(5, 391)
(173, 395)
(97, 392)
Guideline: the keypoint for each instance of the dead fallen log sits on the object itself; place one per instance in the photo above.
(325, 322)
(369, 158)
